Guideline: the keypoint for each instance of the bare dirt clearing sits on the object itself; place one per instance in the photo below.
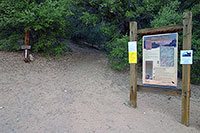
(81, 93)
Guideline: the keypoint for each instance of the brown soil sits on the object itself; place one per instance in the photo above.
(81, 93)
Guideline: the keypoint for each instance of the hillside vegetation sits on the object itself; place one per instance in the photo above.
(104, 24)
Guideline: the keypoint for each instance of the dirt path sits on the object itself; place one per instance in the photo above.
(80, 93)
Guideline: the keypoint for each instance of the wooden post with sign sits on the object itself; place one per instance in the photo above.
(187, 39)
(26, 52)
(133, 68)
(26, 46)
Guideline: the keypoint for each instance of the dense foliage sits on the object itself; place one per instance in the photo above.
(44, 18)
(101, 23)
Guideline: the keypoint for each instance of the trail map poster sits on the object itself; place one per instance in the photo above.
(160, 59)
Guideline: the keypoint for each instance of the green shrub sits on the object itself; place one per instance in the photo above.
(45, 19)
(89, 34)
(12, 43)
(118, 56)
(50, 46)
(195, 71)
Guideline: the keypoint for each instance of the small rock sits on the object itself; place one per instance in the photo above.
(31, 57)
(65, 91)
(126, 103)
(17, 119)
(129, 126)
(1, 107)
(144, 113)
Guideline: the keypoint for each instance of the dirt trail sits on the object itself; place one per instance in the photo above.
(80, 93)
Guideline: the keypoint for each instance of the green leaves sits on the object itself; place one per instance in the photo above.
(46, 20)
(89, 18)
(118, 56)
(168, 15)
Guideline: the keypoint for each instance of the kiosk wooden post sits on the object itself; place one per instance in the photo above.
(187, 38)
(133, 68)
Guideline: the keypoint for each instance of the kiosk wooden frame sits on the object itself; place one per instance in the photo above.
(187, 37)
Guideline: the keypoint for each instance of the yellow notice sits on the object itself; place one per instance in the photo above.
(132, 57)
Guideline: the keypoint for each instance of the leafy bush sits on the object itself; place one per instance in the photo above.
(45, 20)
(86, 27)
(50, 46)
(195, 71)
(118, 56)
(90, 35)
(12, 43)
(168, 15)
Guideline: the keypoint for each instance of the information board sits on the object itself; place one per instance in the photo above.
(160, 59)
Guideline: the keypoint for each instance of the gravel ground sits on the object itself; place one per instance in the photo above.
(80, 93)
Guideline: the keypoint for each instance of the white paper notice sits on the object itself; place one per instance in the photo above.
(132, 46)
(26, 53)
(186, 56)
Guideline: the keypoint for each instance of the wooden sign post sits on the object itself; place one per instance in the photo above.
(187, 39)
(187, 36)
(26, 47)
(133, 68)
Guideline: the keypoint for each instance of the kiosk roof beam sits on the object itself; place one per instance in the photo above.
(160, 30)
